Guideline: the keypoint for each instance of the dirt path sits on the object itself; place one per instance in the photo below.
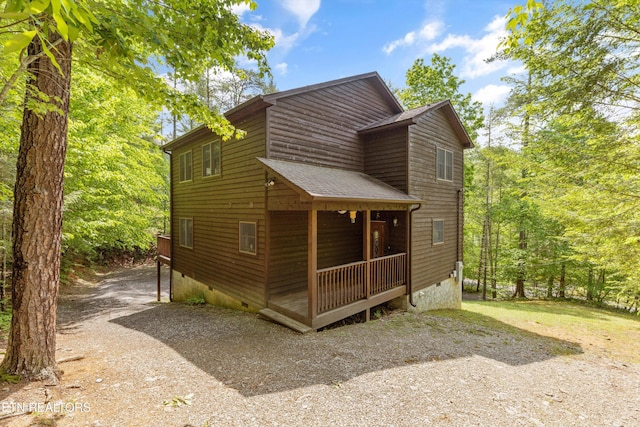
(152, 364)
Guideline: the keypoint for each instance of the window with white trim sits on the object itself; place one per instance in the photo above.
(211, 159)
(186, 169)
(248, 237)
(445, 165)
(186, 232)
(438, 231)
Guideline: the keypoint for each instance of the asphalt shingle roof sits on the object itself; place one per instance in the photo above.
(323, 183)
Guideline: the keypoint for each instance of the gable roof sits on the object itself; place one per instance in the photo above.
(411, 117)
(319, 183)
(262, 101)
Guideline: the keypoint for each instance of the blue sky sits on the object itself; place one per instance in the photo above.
(320, 40)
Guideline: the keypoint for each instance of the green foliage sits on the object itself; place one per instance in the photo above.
(133, 41)
(5, 321)
(581, 100)
(427, 84)
(116, 189)
(196, 300)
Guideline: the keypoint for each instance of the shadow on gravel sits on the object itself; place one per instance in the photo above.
(257, 357)
(117, 291)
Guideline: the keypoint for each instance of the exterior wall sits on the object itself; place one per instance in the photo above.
(217, 204)
(385, 157)
(433, 263)
(443, 295)
(320, 126)
(339, 241)
(288, 252)
(185, 287)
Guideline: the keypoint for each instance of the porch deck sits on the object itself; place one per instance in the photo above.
(345, 290)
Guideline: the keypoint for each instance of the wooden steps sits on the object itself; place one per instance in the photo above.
(274, 316)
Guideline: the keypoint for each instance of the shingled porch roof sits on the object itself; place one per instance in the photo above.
(324, 184)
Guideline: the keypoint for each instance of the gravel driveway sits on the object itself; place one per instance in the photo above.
(166, 364)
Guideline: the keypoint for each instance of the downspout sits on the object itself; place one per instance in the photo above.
(458, 237)
(410, 282)
(170, 224)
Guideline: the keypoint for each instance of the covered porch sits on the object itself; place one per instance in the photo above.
(338, 242)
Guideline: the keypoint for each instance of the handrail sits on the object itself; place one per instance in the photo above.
(164, 246)
(344, 284)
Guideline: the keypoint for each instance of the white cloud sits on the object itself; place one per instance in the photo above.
(428, 32)
(303, 10)
(282, 68)
(492, 94)
(476, 51)
(240, 9)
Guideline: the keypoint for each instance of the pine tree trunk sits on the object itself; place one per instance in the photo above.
(37, 224)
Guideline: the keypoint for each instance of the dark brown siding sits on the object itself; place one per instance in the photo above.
(288, 252)
(217, 204)
(433, 263)
(339, 241)
(320, 127)
(385, 157)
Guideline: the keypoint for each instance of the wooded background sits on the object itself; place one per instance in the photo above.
(552, 193)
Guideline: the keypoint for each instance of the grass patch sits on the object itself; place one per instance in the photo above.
(196, 300)
(597, 330)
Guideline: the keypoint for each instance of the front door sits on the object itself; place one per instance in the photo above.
(377, 239)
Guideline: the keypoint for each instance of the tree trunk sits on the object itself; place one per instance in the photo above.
(37, 219)
(519, 293)
(561, 288)
(550, 286)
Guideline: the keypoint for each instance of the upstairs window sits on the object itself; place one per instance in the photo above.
(438, 231)
(248, 237)
(445, 164)
(186, 169)
(211, 159)
(186, 232)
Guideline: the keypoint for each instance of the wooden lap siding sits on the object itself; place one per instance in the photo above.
(288, 252)
(320, 127)
(433, 263)
(217, 204)
(385, 157)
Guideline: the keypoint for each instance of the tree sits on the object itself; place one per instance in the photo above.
(427, 84)
(124, 39)
(584, 151)
(222, 90)
(116, 178)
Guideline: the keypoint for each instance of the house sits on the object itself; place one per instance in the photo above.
(335, 201)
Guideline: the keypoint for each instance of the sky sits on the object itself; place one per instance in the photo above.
(322, 40)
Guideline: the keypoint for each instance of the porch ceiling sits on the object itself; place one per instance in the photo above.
(324, 184)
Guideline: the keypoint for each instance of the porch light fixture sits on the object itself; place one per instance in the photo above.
(352, 216)
(270, 182)
(395, 221)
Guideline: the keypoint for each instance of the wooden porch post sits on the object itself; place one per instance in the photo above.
(159, 272)
(366, 219)
(312, 253)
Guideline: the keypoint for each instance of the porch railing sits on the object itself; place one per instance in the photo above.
(344, 284)
(164, 247)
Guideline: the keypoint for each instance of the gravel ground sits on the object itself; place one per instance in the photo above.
(151, 364)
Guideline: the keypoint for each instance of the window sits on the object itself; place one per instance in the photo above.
(445, 164)
(248, 237)
(186, 173)
(211, 159)
(438, 231)
(186, 232)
